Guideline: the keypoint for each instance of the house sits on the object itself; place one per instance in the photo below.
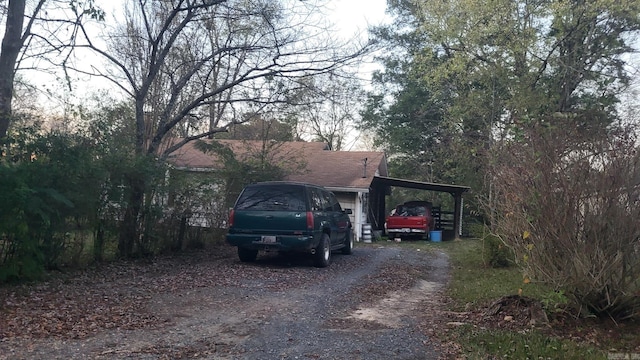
(349, 174)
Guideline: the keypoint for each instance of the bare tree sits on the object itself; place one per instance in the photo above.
(12, 44)
(330, 108)
(49, 33)
(162, 60)
(178, 64)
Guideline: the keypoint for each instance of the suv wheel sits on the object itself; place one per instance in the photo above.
(348, 244)
(322, 257)
(247, 255)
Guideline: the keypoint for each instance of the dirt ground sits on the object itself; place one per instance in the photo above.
(373, 304)
(382, 302)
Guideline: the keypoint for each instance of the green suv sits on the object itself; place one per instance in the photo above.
(289, 217)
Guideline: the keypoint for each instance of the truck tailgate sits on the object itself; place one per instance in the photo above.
(394, 222)
(269, 222)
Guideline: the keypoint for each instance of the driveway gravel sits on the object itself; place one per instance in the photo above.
(372, 304)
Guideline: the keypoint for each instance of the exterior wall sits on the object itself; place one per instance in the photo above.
(348, 201)
(353, 199)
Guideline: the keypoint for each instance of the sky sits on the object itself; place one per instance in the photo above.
(352, 16)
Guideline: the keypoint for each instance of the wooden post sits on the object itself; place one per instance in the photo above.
(457, 215)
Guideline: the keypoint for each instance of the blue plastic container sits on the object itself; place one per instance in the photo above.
(435, 235)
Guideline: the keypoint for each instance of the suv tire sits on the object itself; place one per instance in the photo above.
(322, 257)
(348, 244)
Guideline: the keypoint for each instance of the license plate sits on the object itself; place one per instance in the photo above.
(405, 230)
(268, 239)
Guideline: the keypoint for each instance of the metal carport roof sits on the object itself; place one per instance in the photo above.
(388, 181)
(380, 186)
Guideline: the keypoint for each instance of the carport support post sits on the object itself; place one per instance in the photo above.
(457, 212)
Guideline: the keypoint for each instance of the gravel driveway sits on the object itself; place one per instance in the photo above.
(369, 305)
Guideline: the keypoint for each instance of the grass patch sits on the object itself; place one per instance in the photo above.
(500, 344)
(474, 285)
(474, 282)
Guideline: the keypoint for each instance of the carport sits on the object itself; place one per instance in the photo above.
(381, 186)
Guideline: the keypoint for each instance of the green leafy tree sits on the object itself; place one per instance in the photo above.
(520, 60)
(484, 69)
(409, 115)
(529, 95)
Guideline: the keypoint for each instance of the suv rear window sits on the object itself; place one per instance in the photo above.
(272, 197)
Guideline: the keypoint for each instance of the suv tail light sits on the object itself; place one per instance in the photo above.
(231, 214)
(310, 224)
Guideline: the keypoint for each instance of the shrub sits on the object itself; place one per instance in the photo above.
(496, 253)
(51, 190)
(566, 199)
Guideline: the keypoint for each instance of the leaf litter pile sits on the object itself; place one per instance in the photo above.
(116, 296)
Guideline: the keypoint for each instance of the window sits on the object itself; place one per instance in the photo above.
(318, 201)
(272, 197)
(334, 205)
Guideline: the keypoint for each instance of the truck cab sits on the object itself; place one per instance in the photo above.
(412, 219)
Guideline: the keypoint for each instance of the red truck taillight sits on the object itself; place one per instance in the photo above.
(231, 214)
(310, 223)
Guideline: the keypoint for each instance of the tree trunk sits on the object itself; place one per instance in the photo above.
(98, 242)
(11, 45)
(129, 226)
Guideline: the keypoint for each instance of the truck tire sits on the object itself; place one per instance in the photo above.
(348, 244)
(322, 257)
(247, 255)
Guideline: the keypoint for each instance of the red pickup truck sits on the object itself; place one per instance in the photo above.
(412, 219)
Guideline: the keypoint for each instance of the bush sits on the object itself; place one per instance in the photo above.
(566, 199)
(52, 186)
(496, 253)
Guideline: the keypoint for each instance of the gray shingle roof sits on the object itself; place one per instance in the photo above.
(310, 161)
